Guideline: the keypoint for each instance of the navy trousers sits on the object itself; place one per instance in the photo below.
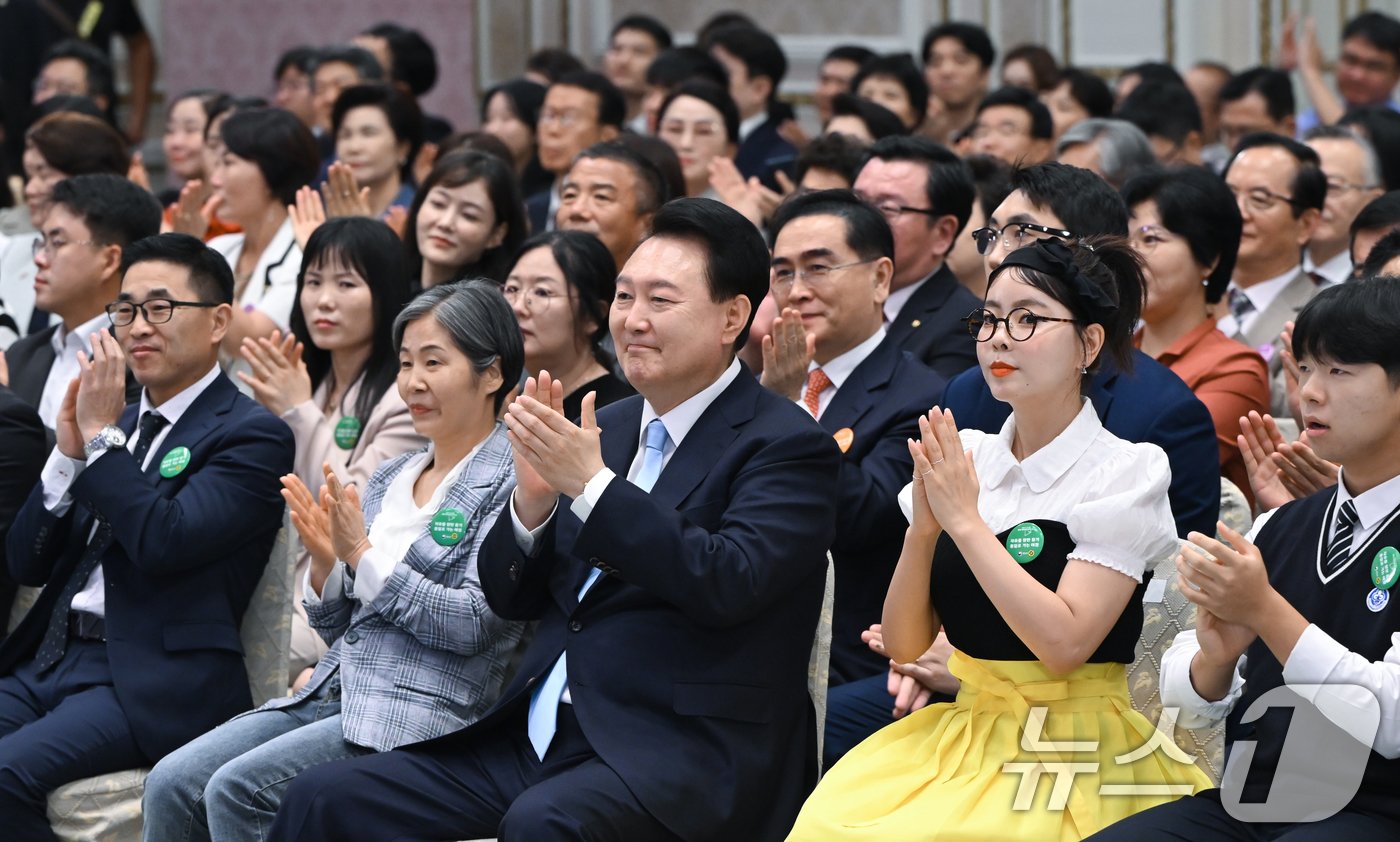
(1202, 818)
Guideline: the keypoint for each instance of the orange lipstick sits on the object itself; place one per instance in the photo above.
(1001, 369)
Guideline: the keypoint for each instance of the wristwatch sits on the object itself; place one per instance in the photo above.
(109, 436)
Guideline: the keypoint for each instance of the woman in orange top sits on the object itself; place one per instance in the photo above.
(1185, 225)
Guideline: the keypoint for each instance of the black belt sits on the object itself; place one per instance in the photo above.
(85, 626)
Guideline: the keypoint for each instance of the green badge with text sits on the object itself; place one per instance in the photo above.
(1024, 542)
(174, 462)
(347, 433)
(448, 526)
(1385, 568)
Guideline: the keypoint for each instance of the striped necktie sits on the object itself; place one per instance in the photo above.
(1339, 548)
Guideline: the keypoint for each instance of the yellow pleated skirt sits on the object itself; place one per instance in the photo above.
(1019, 754)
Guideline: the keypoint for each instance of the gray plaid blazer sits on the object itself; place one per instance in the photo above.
(426, 657)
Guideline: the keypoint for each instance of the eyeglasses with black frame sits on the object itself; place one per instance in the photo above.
(156, 311)
(1020, 323)
(1013, 235)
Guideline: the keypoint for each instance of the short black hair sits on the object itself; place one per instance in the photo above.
(992, 178)
(1382, 30)
(1381, 126)
(848, 52)
(71, 104)
(283, 148)
(949, 187)
(364, 62)
(1087, 89)
(497, 176)
(1273, 85)
(879, 120)
(901, 68)
(679, 64)
(1309, 187)
(1381, 212)
(868, 233)
(652, 190)
(1354, 323)
(411, 56)
(115, 210)
(756, 50)
(401, 111)
(1386, 249)
(94, 61)
(736, 258)
(211, 277)
(1195, 204)
(832, 152)
(591, 273)
(1154, 71)
(612, 106)
(1163, 109)
(1042, 124)
(302, 59)
(720, 20)
(973, 38)
(553, 63)
(712, 95)
(525, 97)
(654, 28)
(1084, 203)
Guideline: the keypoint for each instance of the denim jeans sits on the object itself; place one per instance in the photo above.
(227, 784)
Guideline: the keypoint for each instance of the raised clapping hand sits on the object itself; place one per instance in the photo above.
(347, 519)
(279, 378)
(313, 524)
(945, 477)
(1280, 471)
(306, 214)
(787, 352)
(95, 398)
(1229, 586)
(561, 456)
(343, 195)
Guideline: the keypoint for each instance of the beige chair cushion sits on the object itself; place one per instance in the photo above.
(819, 664)
(107, 808)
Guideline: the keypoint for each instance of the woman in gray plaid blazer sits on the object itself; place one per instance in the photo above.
(415, 651)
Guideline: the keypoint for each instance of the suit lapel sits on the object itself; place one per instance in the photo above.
(712, 433)
(27, 376)
(197, 422)
(477, 483)
(926, 300)
(857, 395)
(1284, 307)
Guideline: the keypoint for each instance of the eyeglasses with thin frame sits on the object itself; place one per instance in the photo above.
(1260, 199)
(1338, 185)
(156, 311)
(1013, 235)
(1020, 323)
(536, 299)
(813, 274)
(1146, 238)
(894, 210)
(49, 248)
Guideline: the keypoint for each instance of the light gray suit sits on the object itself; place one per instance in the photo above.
(1263, 334)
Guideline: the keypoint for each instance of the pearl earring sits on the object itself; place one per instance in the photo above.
(1083, 369)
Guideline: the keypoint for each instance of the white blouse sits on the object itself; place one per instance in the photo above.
(1110, 494)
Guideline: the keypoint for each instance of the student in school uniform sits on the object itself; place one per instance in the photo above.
(1304, 602)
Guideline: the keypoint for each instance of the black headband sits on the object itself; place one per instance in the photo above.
(1052, 257)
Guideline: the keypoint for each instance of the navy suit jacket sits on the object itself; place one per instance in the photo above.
(537, 211)
(880, 403)
(1149, 405)
(764, 151)
(688, 661)
(931, 324)
(22, 451)
(181, 561)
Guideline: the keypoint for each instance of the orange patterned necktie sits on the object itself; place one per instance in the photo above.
(817, 382)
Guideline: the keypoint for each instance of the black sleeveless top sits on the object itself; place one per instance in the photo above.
(972, 622)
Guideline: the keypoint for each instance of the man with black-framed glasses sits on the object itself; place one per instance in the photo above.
(149, 530)
(78, 257)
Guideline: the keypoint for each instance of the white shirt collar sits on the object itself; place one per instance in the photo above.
(80, 339)
(682, 418)
(1042, 468)
(1336, 269)
(839, 367)
(747, 127)
(1372, 505)
(899, 297)
(176, 406)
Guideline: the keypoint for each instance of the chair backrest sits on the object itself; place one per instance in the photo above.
(819, 664)
(1234, 508)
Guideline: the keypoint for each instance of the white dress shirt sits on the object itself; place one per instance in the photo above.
(838, 369)
(1344, 681)
(1261, 295)
(1109, 493)
(400, 522)
(60, 472)
(899, 297)
(1335, 270)
(66, 345)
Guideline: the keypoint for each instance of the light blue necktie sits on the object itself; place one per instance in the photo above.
(544, 716)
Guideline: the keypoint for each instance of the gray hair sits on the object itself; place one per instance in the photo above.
(1372, 174)
(480, 322)
(1123, 148)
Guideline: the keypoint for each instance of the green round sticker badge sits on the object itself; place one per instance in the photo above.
(174, 462)
(448, 526)
(347, 433)
(1024, 542)
(1385, 568)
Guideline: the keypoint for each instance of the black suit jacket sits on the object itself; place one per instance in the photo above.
(30, 359)
(930, 324)
(764, 151)
(22, 455)
(880, 403)
(688, 661)
(1149, 405)
(537, 211)
(181, 561)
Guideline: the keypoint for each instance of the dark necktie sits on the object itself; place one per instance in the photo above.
(56, 635)
(1339, 548)
(1240, 305)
